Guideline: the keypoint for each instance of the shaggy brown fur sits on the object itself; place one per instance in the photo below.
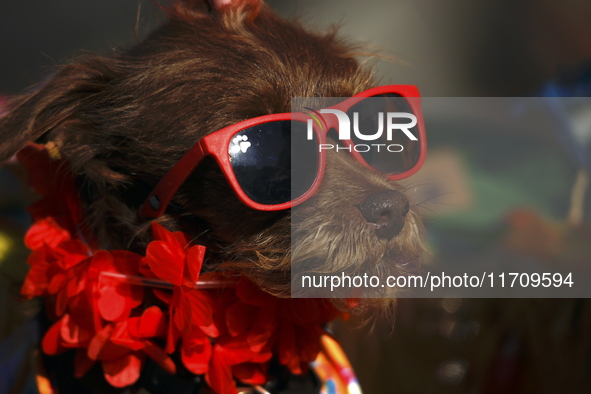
(123, 121)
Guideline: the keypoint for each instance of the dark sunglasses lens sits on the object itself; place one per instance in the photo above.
(261, 157)
(396, 149)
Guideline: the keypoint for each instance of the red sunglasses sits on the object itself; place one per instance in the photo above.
(277, 161)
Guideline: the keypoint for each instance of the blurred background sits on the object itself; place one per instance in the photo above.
(527, 202)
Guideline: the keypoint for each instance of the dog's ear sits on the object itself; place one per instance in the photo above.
(222, 5)
(50, 107)
(200, 8)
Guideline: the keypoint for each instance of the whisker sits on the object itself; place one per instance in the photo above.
(428, 209)
(418, 184)
(430, 198)
(197, 236)
(142, 229)
(440, 203)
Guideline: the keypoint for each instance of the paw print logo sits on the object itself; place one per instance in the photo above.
(239, 143)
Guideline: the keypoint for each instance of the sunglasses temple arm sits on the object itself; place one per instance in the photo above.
(202, 284)
(159, 198)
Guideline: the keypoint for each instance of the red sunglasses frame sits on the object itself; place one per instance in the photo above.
(216, 144)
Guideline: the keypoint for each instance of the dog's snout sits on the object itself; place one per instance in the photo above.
(386, 210)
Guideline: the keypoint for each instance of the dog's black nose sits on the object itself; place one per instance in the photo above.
(386, 210)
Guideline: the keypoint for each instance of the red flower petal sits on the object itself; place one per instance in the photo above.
(126, 262)
(158, 355)
(288, 353)
(114, 302)
(121, 337)
(184, 239)
(211, 330)
(72, 334)
(82, 363)
(72, 253)
(236, 350)
(251, 294)
(98, 342)
(219, 376)
(51, 343)
(251, 373)
(166, 261)
(195, 256)
(101, 261)
(61, 302)
(263, 356)
(262, 329)
(173, 334)
(196, 353)
(160, 233)
(181, 308)
(239, 317)
(36, 281)
(163, 295)
(75, 285)
(152, 323)
(137, 296)
(112, 351)
(201, 311)
(79, 308)
(39, 256)
(45, 231)
(57, 279)
(123, 371)
(133, 326)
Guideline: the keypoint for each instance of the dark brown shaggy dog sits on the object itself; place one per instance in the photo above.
(125, 119)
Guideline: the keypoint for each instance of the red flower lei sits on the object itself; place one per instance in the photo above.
(96, 299)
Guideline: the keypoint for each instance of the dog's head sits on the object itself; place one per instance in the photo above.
(123, 120)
